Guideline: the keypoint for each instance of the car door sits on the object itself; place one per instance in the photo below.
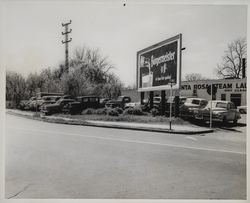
(231, 111)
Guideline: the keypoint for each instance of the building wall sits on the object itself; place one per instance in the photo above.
(226, 89)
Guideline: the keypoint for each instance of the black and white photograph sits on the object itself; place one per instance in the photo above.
(123, 100)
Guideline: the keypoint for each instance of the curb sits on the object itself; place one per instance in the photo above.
(59, 120)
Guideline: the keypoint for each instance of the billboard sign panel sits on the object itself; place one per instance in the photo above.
(159, 64)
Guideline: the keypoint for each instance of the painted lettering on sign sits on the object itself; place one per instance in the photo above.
(225, 86)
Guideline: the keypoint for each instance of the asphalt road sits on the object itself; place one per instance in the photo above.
(45, 160)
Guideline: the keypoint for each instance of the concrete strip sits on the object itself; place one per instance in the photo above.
(55, 119)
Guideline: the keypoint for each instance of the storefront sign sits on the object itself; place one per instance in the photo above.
(158, 65)
(237, 87)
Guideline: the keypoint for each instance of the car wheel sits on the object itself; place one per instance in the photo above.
(224, 121)
(235, 121)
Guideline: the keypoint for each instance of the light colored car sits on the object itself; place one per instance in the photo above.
(242, 109)
(223, 111)
(132, 105)
(190, 105)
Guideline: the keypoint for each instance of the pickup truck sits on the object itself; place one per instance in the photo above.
(119, 102)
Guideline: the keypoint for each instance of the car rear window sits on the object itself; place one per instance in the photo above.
(195, 101)
(221, 105)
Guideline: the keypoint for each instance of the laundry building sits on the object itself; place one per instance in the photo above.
(234, 90)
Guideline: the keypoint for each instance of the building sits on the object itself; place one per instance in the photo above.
(234, 90)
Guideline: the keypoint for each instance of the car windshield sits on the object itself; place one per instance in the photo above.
(120, 98)
(217, 104)
(196, 101)
(221, 105)
(157, 99)
(59, 101)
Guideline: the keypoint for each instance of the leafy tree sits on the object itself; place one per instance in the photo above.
(15, 87)
(231, 66)
(33, 83)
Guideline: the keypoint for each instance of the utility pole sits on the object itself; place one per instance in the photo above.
(66, 41)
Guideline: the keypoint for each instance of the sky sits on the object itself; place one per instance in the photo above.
(31, 33)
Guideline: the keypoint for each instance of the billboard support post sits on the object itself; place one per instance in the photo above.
(151, 98)
(142, 98)
(211, 112)
(170, 110)
(163, 95)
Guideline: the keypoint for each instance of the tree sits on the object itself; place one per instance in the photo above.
(33, 83)
(89, 73)
(194, 77)
(15, 87)
(231, 66)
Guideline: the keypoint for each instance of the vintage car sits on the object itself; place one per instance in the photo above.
(48, 100)
(81, 103)
(103, 102)
(25, 104)
(157, 103)
(191, 104)
(119, 102)
(132, 105)
(222, 111)
(57, 107)
(242, 109)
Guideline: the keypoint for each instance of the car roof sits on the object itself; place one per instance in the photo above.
(196, 98)
(222, 101)
(88, 97)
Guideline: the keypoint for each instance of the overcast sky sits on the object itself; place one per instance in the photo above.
(31, 33)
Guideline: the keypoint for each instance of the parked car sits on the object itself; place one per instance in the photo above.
(24, 104)
(187, 110)
(120, 102)
(30, 104)
(48, 100)
(57, 107)
(242, 109)
(132, 105)
(222, 111)
(157, 104)
(81, 103)
(103, 102)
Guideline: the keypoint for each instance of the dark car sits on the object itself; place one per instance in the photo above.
(57, 107)
(157, 104)
(48, 100)
(119, 102)
(81, 103)
(103, 102)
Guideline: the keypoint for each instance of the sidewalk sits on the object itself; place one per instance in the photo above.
(164, 128)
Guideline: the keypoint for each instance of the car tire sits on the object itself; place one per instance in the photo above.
(235, 121)
(224, 120)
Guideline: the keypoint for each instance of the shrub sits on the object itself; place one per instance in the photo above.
(102, 111)
(154, 112)
(88, 111)
(134, 111)
(119, 110)
(112, 112)
(128, 111)
(137, 111)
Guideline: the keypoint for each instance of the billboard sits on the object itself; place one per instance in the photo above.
(159, 64)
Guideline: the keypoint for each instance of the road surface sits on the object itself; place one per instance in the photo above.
(46, 160)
